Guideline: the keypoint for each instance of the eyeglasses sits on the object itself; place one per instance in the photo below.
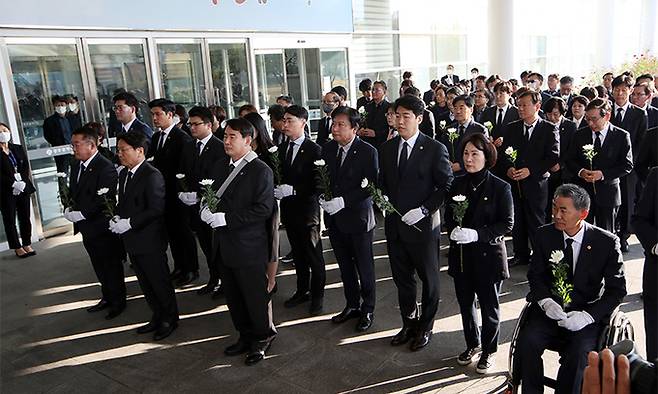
(119, 107)
(190, 124)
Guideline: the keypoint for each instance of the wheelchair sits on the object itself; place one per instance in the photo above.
(618, 329)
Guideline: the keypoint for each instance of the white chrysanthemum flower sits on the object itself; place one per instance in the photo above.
(61, 175)
(362, 110)
(273, 149)
(364, 183)
(452, 130)
(385, 198)
(509, 150)
(588, 147)
(180, 176)
(488, 124)
(442, 123)
(223, 124)
(556, 256)
(459, 198)
(206, 182)
(319, 162)
(102, 191)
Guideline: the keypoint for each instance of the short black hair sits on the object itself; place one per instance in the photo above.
(297, 111)
(164, 104)
(201, 112)
(503, 86)
(57, 99)
(580, 99)
(340, 91)
(412, 103)
(407, 75)
(380, 82)
(535, 96)
(276, 111)
(456, 90)
(536, 74)
(365, 85)
(247, 107)
(566, 79)
(482, 143)
(181, 112)
(412, 90)
(602, 105)
(601, 91)
(71, 97)
(623, 80)
(608, 73)
(88, 133)
(261, 136)
(589, 92)
(555, 102)
(128, 97)
(134, 139)
(286, 98)
(482, 78)
(242, 125)
(352, 115)
(475, 69)
(646, 76)
(467, 99)
(434, 83)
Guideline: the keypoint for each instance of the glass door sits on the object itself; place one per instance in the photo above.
(181, 70)
(230, 76)
(333, 66)
(271, 76)
(119, 66)
(40, 72)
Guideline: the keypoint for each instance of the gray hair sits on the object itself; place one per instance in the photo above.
(577, 194)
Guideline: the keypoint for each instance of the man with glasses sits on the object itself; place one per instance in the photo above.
(641, 97)
(197, 161)
(376, 128)
(125, 108)
(612, 160)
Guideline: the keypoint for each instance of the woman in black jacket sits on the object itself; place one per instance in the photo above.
(477, 259)
(16, 188)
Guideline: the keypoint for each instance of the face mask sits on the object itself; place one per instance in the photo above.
(4, 137)
(327, 108)
(60, 109)
(73, 107)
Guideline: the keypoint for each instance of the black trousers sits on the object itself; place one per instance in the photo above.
(356, 263)
(650, 298)
(466, 288)
(153, 277)
(529, 215)
(420, 258)
(540, 333)
(181, 238)
(306, 248)
(205, 237)
(604, 217)
(16, 206)
(630, 191)
(105, 255)
(248, 301)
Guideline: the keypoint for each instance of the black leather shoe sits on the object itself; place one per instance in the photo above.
(421, 340)
(146, 328)
(624, 245)
(345, 315)
(102, 304)
(186, 278)
(175, 274)
(218, 292)
(402, 337)
(365, 322)
(296, 299)
(287, 259)
(316, 307)
(164, 330)
(115, 311)
(518, 261)
(258, 350)
(237, 348)
(207, 289)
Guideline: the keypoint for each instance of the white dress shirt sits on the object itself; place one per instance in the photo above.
(296, 145)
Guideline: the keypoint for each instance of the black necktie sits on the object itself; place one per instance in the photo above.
(568, 257)
(339, 158)
(163, 137)
(82, 170)
(231, 167)
(402, 162)
(128, 178)
(597, 142)
(199, 148)
(618, 117)
(499, 121)
(291, 145)
(526, 134)
(461, 131)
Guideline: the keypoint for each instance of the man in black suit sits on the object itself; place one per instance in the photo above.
(448, 117)
(450, 79)
(349, 215)
(632, 119)
(536, 142)
(641, 98)
(595, 268)
(57, 131)
(92, 174)
(500, 115)
(125, 108)
(566, 87)
(300, 212)
(427, 125)
(375, 131)
(73, 115)
(166, 152)
(428, 96)
(648, 157)
(197, 160)
(415, 175)
(535, 82)
(613, 160)
(464, 125)
(645, 223)
(365, 87)
(553, 80)
(330, 101)
(245, 191)
(140, 222)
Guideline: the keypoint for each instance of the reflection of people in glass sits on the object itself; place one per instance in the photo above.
(57, 131)
(73, 114)
(15, 194)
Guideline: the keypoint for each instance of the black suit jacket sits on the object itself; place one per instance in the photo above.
(99, 174)
(197, 167)
(376, 120)
(302, 208)
(53, 132)
(539, 154)
(7, 172)
(143, 202)
(615, 161)
(324, 131)
(448, 81)
(583, 122)
(645, 218)
(652, 117)
(599, 282)
(139, 127)
(439, 114)
(428, 97)
(167, 160)
(248, 202)
(361, 162)
(493, 217)
(635, 122)
(490, 114)
(648, 157)
(427, 125)
(425, 182)
(567, 130)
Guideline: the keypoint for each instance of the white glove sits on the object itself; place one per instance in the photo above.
(413, 216)
(205, 214)
(120, 226)
(333, 206)
(552, 309)
(576, 320)
(655, 250)
(217, 220)
(73, 216)
(18, 186)
(283, 191)
(188, 198)
(463, 235)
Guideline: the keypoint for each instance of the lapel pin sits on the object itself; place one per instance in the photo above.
(486, 198)
(421, 147)
(301, 151)
(589, 247)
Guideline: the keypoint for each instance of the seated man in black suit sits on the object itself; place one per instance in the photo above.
(569, 321)
(330, 101)
(125, 108)
(91, 174)
(349, 215)
(536, 143)
(140, 222)
(415, 175)
(612, 160)
(166, 152)
(245, 191)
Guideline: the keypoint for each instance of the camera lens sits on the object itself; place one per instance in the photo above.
(644, 376)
